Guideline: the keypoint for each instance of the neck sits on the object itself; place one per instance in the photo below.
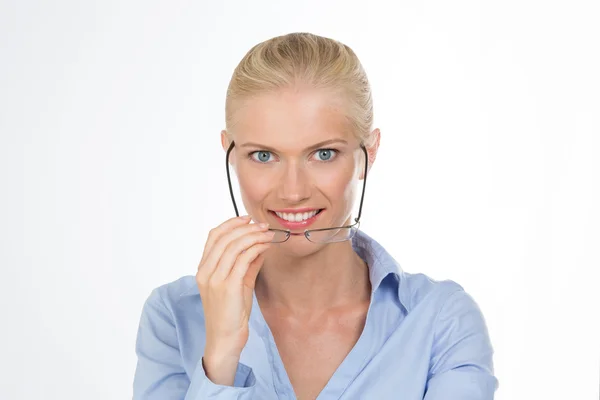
(334, 276)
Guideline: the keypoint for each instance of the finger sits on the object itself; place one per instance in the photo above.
(216, 233)
(218, 249)
(248, 265)
(235, 249)
(253, 269)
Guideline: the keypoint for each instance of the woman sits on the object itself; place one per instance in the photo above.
(300, 303)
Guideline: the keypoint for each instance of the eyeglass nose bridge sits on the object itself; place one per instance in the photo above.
(280, 235)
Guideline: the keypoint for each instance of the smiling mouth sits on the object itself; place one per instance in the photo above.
(297, 217)
(294, 221)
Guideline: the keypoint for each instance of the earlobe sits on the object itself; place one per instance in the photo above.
(224, 140)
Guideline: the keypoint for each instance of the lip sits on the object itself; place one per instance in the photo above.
(297, 225)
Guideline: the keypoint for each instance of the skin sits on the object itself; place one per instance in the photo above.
(299, 284)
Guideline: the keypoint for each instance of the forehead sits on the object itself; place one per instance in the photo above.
(292, 119)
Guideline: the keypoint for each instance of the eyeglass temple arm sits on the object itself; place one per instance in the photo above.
(362, 196)
(237, 214)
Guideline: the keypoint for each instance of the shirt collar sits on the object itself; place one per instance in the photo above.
(381, 264)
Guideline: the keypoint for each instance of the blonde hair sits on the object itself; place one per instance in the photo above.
(304, 59)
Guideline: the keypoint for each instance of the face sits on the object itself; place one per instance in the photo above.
(295, 156)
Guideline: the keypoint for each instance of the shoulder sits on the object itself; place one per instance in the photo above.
(446, 304)
(418, 290)
(442, 301)
(452, 314)
(179, 288)
(170, 295)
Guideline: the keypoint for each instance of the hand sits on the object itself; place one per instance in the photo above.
(226, 277)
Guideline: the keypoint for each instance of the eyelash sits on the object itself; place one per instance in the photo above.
(335, 153)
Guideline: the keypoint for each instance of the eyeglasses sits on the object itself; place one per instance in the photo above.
(321, 235)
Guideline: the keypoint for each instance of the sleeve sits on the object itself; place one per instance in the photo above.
(461, 366)
(159, 374)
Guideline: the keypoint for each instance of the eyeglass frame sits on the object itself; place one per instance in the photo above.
(306, 232)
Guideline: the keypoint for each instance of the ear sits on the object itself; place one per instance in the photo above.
(372, 151)
(225, 142)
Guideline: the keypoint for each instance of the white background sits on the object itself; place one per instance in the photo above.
(112, 171)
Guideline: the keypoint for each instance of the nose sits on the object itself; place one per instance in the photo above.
(294, 186)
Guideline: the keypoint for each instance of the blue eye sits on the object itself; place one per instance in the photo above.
(325, 154)
(264, 156)
(261, 156)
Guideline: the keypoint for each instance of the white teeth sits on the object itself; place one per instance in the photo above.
(297, 217)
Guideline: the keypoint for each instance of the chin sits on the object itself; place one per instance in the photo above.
(298, 246)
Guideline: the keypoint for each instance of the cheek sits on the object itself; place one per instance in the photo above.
(339, 185)
(253, 187)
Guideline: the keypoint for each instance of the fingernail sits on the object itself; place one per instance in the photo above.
(263, 225)
(245, 217)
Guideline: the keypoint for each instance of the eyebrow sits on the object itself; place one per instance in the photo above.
(314, 146)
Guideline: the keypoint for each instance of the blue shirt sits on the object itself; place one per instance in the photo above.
(422, 339)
